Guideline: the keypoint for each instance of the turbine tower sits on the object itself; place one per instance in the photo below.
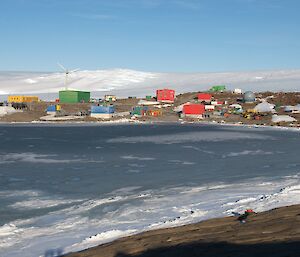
(67, 73)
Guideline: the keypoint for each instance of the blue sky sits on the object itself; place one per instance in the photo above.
(150, 35)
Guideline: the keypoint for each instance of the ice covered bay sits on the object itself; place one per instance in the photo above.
(66, 188)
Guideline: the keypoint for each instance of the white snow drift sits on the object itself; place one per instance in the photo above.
(124, 82)
(6, 110)
(282, 118)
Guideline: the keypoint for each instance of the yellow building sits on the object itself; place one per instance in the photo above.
(22, 99)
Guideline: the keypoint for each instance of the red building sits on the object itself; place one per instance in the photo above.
(193, 109)
(165, 95)
(204, 97)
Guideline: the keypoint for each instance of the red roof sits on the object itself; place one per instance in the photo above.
(196, 109)
(204, 96)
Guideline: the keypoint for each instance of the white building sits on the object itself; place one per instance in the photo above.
(237, 91)
(209, 107)
(110, 98)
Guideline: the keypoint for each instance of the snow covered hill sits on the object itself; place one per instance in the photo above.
(124, 82)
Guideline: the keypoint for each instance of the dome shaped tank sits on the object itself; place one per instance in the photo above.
(249, 97)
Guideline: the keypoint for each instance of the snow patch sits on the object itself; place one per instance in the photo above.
(103, 237)
(131, 157)
(36, 158)
(282, 118)
(6, 110)
(30, 81)
(247, 152)
(188, 137)
(41, 203)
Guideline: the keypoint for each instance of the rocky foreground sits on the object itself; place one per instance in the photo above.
(273, 233)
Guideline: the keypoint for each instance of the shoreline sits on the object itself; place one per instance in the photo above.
(138, 122)
(225, 107)
(264, 202)
(279, 226)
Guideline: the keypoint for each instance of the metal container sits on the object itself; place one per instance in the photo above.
(154, 113)
(51, 108)
(218, 88)
(139, 110)
(101, 109)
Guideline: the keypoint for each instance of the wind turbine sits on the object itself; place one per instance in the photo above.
(67, 72)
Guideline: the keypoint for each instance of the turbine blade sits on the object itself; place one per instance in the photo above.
(74, 70)
(60, 65)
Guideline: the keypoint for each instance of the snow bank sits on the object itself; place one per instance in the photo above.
(282, 118)
(124, 82)
(51, 117)
(100, 238)
(144, 102)
(291, 108)
(6, 110)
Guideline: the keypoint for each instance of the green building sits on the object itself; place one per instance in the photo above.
(218, 88)
(73, 96)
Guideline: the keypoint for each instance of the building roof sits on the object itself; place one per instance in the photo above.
(74, 91)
